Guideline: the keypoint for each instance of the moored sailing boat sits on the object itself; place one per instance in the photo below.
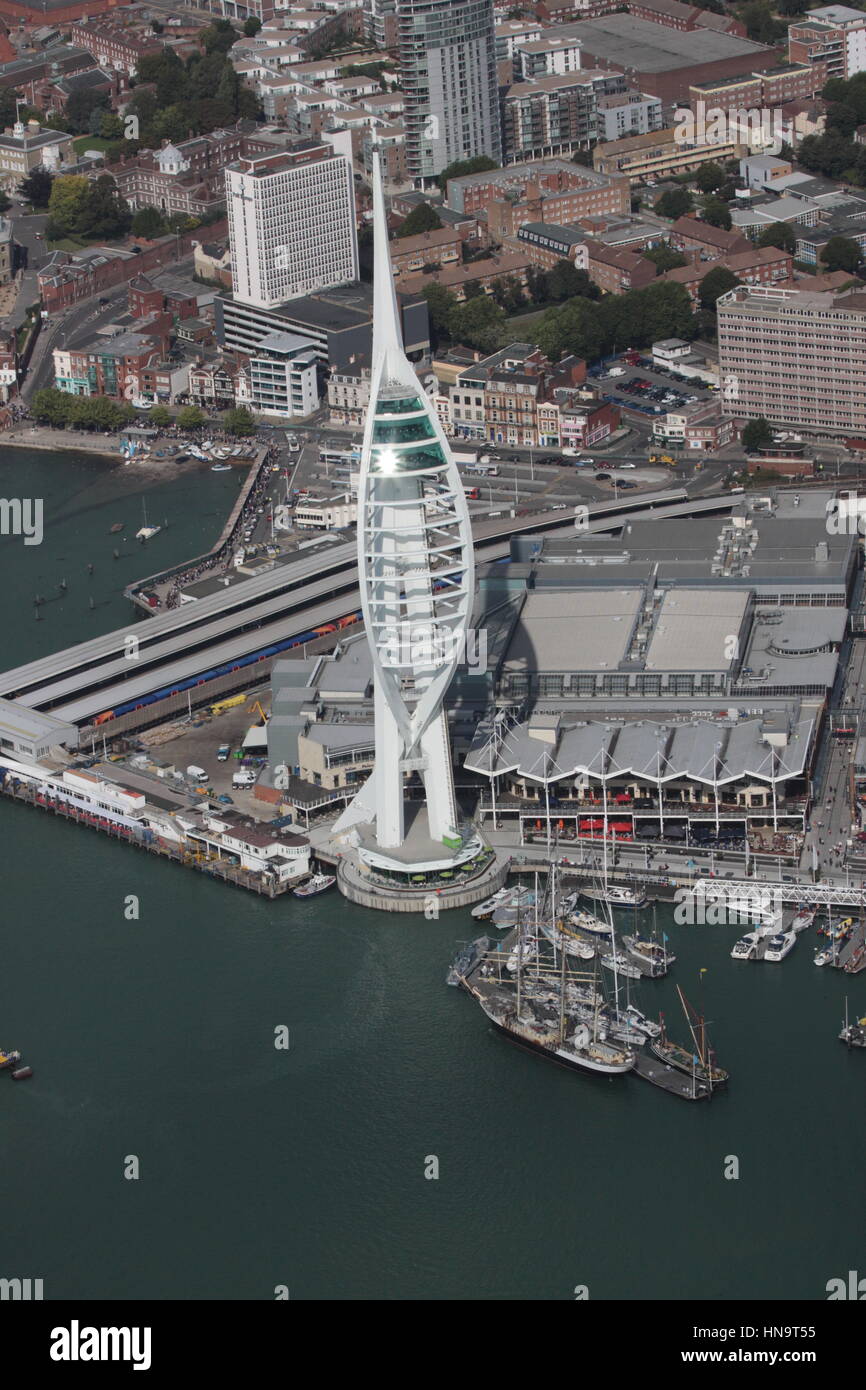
(700, 1063)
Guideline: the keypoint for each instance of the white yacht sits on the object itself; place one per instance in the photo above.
(747, 947)
(616, 895)
(523, 953)
(778, 947)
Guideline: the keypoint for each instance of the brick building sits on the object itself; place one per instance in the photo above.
(549, 190)
(673, 15)
(659, 154)
(761, 265)
(616, 270)
(485, 273)
(787, 82)
(510, 397)
(665, 62)
(551, 116)
(440, 247)
(189, 177)
(113, 47)
(832, 38)
(690, 234)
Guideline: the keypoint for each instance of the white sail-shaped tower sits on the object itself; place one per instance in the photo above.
(416, 571)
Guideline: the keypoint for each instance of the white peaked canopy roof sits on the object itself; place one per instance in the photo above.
(703, 751)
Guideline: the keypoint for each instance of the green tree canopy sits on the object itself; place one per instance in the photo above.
(714, 283)
(252, 26)
(757, 434)
(459, 167)
(717, 213)
(36, 188)
(780, 234)
(478, 323)
(50, 407)
(665, 258)
(239, 421)
(149, 223)
(710, 177)
(841, 253)
(564, 280)
(189, 417)
(160, 417)
(677, 202)
(423, 218)
(440, 303)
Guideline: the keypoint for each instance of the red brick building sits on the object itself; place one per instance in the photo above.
(38, 13)
(113, 47)
(761, 265)
(615, 270)
(690, 234)
(673, 15)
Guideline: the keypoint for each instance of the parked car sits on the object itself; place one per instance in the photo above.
(602, 477)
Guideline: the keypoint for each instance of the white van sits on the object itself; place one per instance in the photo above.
(197, 774)
(243, 778)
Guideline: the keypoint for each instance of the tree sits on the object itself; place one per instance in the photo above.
(107, 214)
(252, 26)
(576, 327)
(757, 434)
(716, 213)
(165, 70)
(479, 323)
(110, 126)
(219, 36)
(716, 282)
(160, 417)
(50, 407)
(440, 303)
(189, 417)
(8, 108)
(68, 206)
(677, 202)
(710, 177)
(239, 421)
(5, 202)
(564, 281)
(80, 107)
(780, 234)
(460, 167)
(423, 218)
(149, 223)
(841, 253)
(759, 22)
(665, 258)
(36, 188)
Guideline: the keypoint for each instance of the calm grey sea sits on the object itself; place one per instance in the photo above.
(306, 1168)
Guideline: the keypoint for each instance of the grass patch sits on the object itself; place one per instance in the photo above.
(90, 142)
(524, 322)
(68, 243)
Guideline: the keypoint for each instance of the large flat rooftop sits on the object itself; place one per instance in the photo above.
(568, 631)
(641, 46)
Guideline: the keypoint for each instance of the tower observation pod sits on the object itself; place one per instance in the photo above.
(416, 570)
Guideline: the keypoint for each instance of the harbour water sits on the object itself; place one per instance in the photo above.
(306, 1167)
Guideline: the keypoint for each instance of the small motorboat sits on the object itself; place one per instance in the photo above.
(318, 883)
(825, 957)
(220, 468)
(118, 526)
